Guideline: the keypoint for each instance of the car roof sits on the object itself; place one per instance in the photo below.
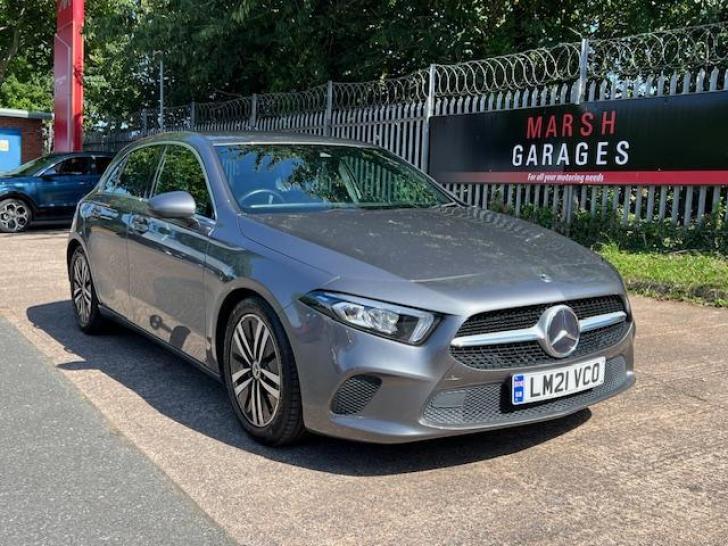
(253, 137)
(85, 153)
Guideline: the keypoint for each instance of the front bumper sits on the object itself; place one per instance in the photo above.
(360, 386)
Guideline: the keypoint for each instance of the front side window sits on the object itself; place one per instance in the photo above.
(72, 166)
(181, 171)
(278, 177)
(138, 171)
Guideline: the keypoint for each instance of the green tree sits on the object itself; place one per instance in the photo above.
(26, 45)
(237, 47)
(219, 49)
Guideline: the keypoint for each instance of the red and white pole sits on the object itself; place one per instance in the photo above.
(68, 76)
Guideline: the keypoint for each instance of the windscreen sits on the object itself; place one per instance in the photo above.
(34, 166)
(299, 177)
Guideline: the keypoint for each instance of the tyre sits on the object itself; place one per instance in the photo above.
(83, 294)
(261, 376)
(15, 215)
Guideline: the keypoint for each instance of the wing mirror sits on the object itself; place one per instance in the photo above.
(173, 204)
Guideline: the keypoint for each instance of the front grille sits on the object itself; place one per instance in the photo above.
(514, 355)
(525, 317)
(530, 353)
(491, 404)
(355, 394)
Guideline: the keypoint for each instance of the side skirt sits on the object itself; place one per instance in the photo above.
(116, 317)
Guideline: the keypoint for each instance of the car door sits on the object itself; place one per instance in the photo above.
(106, 213)
(61, 186)
(167, 258)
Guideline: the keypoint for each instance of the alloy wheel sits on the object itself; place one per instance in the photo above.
(81, 289)
(14, 215)
(255, 370)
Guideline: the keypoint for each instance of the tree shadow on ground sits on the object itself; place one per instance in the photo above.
(181, 392)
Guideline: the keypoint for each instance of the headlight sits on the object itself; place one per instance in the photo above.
(384, 319)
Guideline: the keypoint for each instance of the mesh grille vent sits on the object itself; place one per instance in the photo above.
(525, 317)
(355, 394)
(490, 404)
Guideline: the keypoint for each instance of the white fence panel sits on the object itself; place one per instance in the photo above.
(395, 113)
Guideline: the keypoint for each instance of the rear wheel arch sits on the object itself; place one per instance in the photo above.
(73, 244)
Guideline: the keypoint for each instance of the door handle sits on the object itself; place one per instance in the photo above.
(140, 224)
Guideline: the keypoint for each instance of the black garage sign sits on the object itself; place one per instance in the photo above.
(667, 140)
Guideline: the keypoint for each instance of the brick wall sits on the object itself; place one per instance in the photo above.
(32, 135)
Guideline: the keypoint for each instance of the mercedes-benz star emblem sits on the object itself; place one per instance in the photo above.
(560, 327)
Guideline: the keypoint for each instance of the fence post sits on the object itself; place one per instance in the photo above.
(568, 195)
(145, 129)
(328, 113)
(253, 121)
(583, 70)
(429, 107)
(193, 115)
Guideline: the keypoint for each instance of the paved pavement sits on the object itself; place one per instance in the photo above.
(67, 478)
(648, 467)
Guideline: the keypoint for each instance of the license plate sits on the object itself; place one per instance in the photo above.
(537, 386)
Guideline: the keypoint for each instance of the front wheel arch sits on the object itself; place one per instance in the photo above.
(285, 424)
(223, 314)
(26, 201)
(25, 198)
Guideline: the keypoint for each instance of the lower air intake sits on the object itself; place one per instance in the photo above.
(355, 394)
(490, 404)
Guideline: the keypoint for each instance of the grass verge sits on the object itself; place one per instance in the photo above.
(693, 276)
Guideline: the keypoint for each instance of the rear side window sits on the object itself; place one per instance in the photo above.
(181, 171)
(138, 172)
(100, 164)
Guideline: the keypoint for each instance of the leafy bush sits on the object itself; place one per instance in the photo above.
(655, 259)
(596, 231)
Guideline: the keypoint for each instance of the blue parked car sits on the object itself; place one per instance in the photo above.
(48, 188)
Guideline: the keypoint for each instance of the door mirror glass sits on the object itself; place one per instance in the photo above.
(173, 204)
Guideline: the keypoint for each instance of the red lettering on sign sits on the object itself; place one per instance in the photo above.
(586, 124)
(567, 125)
(534, 126)
(551, 127)
(609, 122)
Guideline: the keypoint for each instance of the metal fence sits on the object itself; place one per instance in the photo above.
(395, 113)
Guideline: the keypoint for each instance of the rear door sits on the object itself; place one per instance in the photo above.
(167, 258)
(107, 213)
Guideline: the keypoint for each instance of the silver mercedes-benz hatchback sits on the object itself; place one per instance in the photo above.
(333, 287)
